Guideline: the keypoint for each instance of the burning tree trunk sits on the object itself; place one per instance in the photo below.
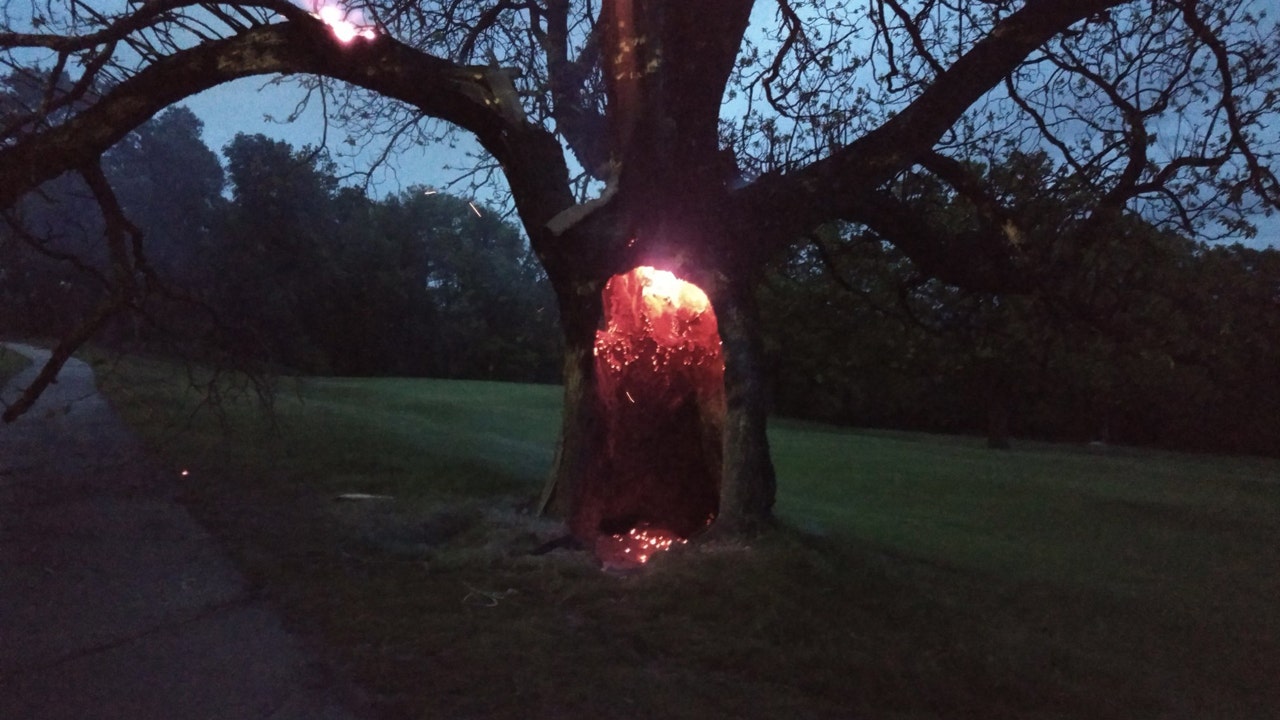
(664, 419)
(748, 482)
(664, 422)
(659, 378)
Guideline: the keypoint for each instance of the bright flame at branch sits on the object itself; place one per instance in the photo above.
(347, 25)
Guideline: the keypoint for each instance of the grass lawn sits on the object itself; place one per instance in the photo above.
(914, 576)
(11, 363)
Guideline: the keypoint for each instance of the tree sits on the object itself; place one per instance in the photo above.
(170, 184)
(274, 254)
(1145, 337)
(1157, 105)
(320, 278)
(491, 312)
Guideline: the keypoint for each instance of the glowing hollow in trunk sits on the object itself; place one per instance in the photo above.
(660, 379)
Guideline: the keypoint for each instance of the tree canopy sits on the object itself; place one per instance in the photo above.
(1166, 102)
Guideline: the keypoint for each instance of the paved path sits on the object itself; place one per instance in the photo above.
(114, 602)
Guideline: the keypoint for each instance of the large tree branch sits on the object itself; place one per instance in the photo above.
(777, 208)
(978, 260)
(1265, 182)
(581, 124)
(994, 216)
(148, 14)
(105, 310)
(473, 98)
(121, 292)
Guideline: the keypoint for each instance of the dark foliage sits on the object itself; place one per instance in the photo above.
(292, 271)
(1125, 333)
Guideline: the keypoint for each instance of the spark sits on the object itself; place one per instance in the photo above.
(431, 191)
(343, 29)
(628, 392)
(641, 544)
(185, 473)
(474, 209)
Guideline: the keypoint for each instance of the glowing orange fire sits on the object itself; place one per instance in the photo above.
(635, 547)
(674, 315)
(659, 371)
(347, 25)
(662, 287)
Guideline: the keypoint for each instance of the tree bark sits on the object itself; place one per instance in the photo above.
(748, 482)
(580, 423)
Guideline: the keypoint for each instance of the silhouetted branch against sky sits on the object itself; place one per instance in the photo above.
(1165, 106)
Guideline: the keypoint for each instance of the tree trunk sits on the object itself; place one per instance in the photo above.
(999, 398)
(998, 423)
(664, 418)
(580, 313)
(748, 482)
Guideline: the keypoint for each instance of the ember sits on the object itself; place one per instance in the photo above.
(346, 25)
(622, 551)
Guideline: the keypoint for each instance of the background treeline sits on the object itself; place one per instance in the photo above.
(1115, 331)
(272, 262)
(1118, 331)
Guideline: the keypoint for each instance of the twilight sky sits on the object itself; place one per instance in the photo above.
(242, 106)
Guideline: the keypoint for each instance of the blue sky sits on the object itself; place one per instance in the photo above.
(244, 106)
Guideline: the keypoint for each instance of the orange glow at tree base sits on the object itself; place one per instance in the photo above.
(623, 551)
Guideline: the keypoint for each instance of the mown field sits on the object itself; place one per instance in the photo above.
(911, 576)
(11, 363)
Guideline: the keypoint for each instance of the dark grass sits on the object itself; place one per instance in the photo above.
(913, 576)
(11, 363)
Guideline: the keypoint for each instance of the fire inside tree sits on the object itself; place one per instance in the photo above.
(660, 391)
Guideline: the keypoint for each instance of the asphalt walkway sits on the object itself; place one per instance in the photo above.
(114, 602)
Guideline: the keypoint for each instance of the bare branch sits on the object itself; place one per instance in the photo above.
(834, 187)
(461, 95)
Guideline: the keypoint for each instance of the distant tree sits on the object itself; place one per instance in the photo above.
(51, 260)
(493, 311)
(323, 279)
(170, 185)
(273, 251)
(51, 257)
(1136, 335)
